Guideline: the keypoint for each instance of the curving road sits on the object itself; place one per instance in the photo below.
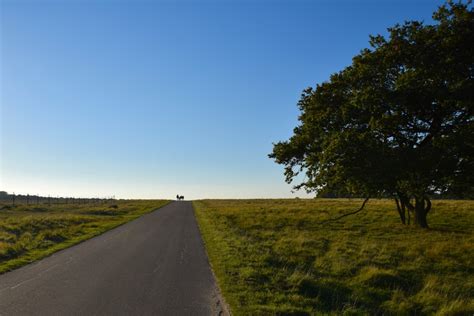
(154, 265)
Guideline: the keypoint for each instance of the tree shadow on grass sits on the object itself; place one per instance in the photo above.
(329, 295)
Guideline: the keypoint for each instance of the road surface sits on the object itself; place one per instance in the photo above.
(154, 265)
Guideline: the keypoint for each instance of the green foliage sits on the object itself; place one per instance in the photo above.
(397, 122)
(28, 232)
(274, 257)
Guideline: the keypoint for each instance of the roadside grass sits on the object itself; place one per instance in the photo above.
(273, 257)
(31, 232)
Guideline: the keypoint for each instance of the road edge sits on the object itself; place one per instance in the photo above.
(71, 243)
(221, 307)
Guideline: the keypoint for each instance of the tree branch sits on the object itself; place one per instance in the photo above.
(347, 214)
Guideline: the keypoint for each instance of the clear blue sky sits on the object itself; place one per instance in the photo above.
(147, 99)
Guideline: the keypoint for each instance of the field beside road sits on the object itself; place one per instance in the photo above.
(275, 257)
(31, 232)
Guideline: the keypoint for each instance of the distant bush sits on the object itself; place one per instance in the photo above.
(39, 209)
(103, 212)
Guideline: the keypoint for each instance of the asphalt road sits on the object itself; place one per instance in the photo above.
(155, 265)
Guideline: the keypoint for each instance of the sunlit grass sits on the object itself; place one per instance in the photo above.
(274, 257)
(31, 232)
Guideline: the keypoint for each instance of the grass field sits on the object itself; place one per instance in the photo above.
(274, 257)
(31, 232)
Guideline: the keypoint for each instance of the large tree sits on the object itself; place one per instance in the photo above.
(398, 121)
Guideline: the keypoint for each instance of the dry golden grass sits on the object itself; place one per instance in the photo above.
(30, 232)
(275, 257)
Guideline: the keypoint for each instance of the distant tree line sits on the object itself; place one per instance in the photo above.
(17, 199)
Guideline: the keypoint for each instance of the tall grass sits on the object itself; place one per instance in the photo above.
(274, 257)
(30, 232)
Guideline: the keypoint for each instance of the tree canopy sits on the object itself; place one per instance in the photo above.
(398, 121)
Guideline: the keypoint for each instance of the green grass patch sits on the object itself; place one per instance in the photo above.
(273, 257)
(31, 232)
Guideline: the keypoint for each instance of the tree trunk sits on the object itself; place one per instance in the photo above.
(421, 211)
(401, 211)
(404, 208)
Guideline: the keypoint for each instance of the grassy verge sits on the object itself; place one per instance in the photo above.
(273, 257)
(31, 232)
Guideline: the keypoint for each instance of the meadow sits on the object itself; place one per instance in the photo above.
(31, 232)
(277, 257)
